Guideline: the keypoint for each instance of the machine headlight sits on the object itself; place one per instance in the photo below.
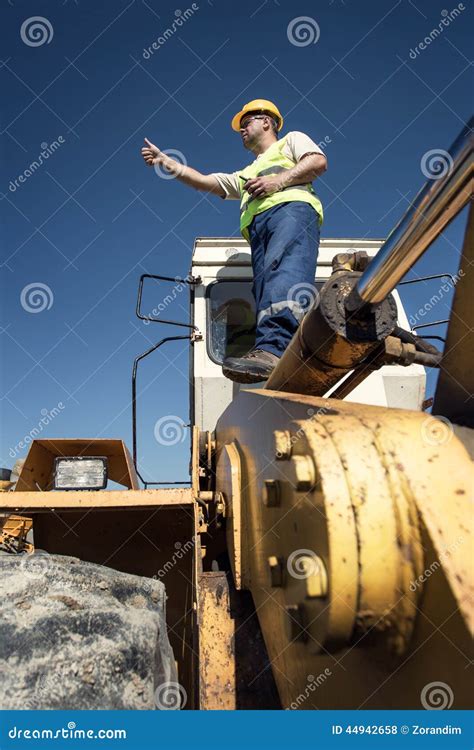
(80, 473)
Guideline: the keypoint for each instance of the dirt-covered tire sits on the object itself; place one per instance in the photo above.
(75, 635)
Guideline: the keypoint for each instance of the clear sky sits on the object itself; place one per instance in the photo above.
(80, 85)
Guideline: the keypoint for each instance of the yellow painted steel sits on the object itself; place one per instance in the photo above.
(74, 500)
(380, 500)
(217, 664)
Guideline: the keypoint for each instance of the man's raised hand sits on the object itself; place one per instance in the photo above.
(153, 156)
(151, 153)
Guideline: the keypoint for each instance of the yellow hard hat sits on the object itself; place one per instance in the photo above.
(257, 105)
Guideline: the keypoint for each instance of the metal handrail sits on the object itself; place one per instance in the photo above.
(134, 403)
(437, 203)
(429, 278)
(190, 280)
(430, 325)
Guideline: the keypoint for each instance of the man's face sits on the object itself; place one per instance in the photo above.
(251, 129)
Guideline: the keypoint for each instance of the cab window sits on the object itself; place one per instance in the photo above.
(231, 319)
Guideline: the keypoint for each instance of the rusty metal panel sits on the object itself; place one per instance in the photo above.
(216, 652)
(234, 668)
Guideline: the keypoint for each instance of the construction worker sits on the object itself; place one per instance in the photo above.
(280, 216)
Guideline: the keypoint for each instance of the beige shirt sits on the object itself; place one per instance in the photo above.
(297, 145)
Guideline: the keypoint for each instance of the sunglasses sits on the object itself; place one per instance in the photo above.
(244, 123)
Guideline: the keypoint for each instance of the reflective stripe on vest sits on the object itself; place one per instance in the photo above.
(273, 161)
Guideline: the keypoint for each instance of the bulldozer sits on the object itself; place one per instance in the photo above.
(320, 555)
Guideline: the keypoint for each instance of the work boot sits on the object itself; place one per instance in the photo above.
(254, 367)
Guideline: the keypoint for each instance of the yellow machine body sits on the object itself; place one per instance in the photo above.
(352, 527)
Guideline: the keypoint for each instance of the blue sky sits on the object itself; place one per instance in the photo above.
(92, 217)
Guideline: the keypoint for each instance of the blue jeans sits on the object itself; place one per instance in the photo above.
(285, 243)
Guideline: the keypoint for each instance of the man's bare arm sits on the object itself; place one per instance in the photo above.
(189, 176)
(306, 170)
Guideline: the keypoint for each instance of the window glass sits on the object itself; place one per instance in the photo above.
(231, 315)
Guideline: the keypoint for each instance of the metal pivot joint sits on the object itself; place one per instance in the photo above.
(330, 342)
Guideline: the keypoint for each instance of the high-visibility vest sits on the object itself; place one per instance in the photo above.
(273, 161)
